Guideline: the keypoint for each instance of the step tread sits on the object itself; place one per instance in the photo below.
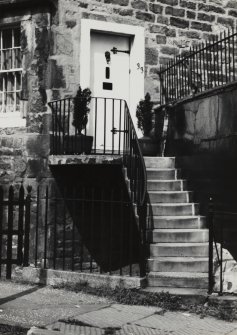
(179, 259)
(180, 244)
(164, 169)
(177, 217)
(158, 157)
(165, 180)
(179, 274)
(168, 192)
(181, 230)
(174, 204)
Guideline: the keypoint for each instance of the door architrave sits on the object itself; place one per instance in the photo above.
(137, 56)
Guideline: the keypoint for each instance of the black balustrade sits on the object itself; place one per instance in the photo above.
(209, 65)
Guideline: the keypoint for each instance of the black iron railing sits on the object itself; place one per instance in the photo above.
(104, 133)
(209, 65)
(222, 235)
(14, 229)
(110, 131)
(87, 229)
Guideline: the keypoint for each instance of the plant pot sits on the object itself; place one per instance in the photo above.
(77, 145)
(148, 146)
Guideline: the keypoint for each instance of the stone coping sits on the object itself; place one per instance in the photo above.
(84, 159)
(56, 277)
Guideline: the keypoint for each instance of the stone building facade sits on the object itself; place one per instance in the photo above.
(50, 46)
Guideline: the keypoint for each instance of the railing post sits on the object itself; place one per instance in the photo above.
(27, 227)
(20, 225)
(221, 258)
(10, 232)
(142, 211)
(211, 233)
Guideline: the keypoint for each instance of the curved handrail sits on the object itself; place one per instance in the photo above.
(128, 146)
(142, 197)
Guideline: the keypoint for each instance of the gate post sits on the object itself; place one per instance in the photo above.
(211, 232)
(9, 233)
(27, 227)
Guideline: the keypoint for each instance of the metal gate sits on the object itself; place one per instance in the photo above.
(14, 229)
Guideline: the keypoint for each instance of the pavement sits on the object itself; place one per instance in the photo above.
(48, 311)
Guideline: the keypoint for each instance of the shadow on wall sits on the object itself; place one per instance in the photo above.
(202, 135)
(97, 202)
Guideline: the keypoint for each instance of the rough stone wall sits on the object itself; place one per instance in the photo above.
(171, 27)
(51, 54)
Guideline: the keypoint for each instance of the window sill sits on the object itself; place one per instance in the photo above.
(12, 120)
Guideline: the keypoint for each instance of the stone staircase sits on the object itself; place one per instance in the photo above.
(178, 239)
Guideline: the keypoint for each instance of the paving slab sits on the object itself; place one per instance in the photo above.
(137, 330)
(66, 328)
(185, 323)
(27, 306)
(116, 315)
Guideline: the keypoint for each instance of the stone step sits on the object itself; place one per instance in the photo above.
(179, 250)
(179, 235)
(175, 209)
(166, 185)
(179, 222)
(178, 279)
(188, 296)
(162, 174)
(170, 196)
(178, 264)
(160, 162)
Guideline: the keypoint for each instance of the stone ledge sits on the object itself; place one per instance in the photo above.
(56, 277)
(84, 159)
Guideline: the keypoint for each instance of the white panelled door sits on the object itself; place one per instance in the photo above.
(110, 67)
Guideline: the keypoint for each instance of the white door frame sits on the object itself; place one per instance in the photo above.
(137, 56)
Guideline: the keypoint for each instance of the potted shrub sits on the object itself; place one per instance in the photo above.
(148, 145)
(80, 143)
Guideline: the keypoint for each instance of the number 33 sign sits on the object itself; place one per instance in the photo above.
(139, 67)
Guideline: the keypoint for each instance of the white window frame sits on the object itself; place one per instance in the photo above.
(11, 118)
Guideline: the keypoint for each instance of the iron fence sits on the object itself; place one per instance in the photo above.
(14, 229)
(88, 230)
(209, 65)
(222, 235)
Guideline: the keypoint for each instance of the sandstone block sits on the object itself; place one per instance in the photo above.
(201, 26)
(188, 4)
(151, 55)
(145, 16)
(155, 8)
(180, 23)
(139, 4)
(118, 2)
(175, 11)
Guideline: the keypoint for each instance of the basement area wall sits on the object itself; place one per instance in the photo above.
(203, 136)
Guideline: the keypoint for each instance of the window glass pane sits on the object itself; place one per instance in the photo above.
(1, 82)
(17, 57)
(10, 102)
(17, 37)
(10, 82)
(7, 59)
(1, 102)
(18, 81)
(7, 38)
(18, 102)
